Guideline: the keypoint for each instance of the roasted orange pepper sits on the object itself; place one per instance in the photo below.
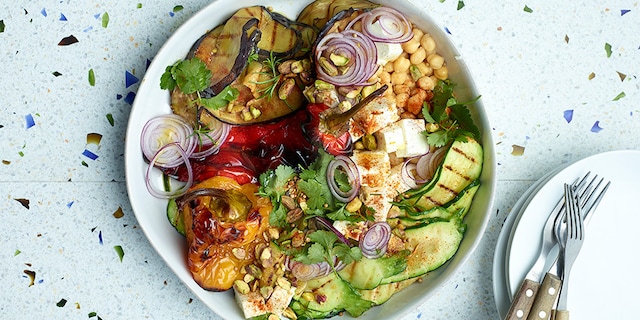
(224, 224)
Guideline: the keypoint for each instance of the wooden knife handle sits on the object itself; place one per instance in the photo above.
(562, 315)
(546, 298)
(523, 300)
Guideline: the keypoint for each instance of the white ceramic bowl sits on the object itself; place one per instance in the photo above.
(151, 101)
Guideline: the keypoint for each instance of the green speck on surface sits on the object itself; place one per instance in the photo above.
(1, 26)
(17, 252)
(110, 119)
(178, 8)
(460, 4)
(85, 164)
(92, 78)
(61, 303)
(94, 314)
(619, 96)
(607, 48)
(20, 153)
(139, 6)
(56, 74)
(119, 251)
(105, 19)
(527, 9)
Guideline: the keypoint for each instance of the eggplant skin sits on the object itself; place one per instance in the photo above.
(318, 13)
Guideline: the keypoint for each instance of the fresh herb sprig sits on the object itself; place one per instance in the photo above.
(273, 185)
(192, 76)
(452, 118)
(325, 246)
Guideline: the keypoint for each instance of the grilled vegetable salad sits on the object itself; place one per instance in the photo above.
(326, 163)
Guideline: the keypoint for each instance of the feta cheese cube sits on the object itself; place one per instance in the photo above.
(415, 143)
(374, 167)
(279, 299)
(378, 114)
(388, 52)
(390, 138)
(252, 304)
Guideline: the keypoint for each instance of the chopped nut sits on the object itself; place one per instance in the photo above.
(259, 247)
(322, 85)
(285, 88)
(274, 233)
(285, 67)
(253, 270)
(298, 239)
(288, 202)
(283, 283)
(241, 287)
(248, 278)
(338, 60)
(288, 312)
(294, 215)
(239, 253)
(266, 254)
(328, 67)
(297, 67)
(266, 292)
(273, 317)
(308, 296)
(369, 142)
(354, 205)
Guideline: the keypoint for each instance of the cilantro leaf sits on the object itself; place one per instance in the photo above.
(316, 195)
(192, 75)
(325, 246)
(222, 99)
(461, 114)
(167, 82)
(438, 138)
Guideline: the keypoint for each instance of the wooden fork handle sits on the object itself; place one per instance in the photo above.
(546, 298)
(523, 300)
(562, 315)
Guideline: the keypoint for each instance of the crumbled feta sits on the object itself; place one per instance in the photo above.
(374, 167)
(388, 52)
(376, 115)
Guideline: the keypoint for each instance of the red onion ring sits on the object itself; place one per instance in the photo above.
(350, 168)
(210, 142)
(329, 226)
(425, 167)
(360, 52)
(384, 24)
(162, 131)
(374, 242)
(175, 193)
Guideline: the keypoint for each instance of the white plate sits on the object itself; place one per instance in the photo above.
(152, 101)
(501, 293)
(604, 278)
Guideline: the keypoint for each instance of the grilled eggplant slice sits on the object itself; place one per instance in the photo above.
(318, 13)
(244, 54)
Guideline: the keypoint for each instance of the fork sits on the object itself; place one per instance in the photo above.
(570, 241)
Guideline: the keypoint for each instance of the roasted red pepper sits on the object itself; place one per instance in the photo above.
(335, 145)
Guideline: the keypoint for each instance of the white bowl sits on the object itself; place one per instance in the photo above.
(152, 101)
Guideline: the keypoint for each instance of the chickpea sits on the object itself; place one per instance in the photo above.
(399, 77)
(428, 43)
(425, 69)
(417, 33)
(388, 67)
(418, 56)
(401, 100)
(385, 77)
(442, 73)
(411, 46)
(401, 88)
(426, 83)
(401, 65)
(435, 60)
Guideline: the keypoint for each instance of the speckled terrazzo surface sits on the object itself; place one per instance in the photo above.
(558, 81)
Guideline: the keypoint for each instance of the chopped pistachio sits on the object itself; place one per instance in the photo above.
(323, 85)
(283, 283)
(354, 205)
(241, 287)
(297, 67)
(369, 142)
(266, 254)
(255, 112)
(239, 253)
(285, 88)
(248, 278)
(328, 67)
(288, 312)
(246, 115)
(308, 296)
(338, 60)
(368, 90)
(266, 292)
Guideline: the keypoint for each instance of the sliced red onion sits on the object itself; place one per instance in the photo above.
(210, 142)
(349, 167)
(374, 242)
(428, 164)
(162, 131)
(360, 52)
(384, 24)
(329, 226)
(172, 193)
(306, 272)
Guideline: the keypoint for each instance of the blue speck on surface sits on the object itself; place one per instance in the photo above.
(43, 12)
(97, 16)
(624, 11)
(130, 97)
(100, 236)
(62, 17)
(171, 14)
(447, 30)
(89, 154)
(130, 79)
(118, 96)
(419, 315)
(596, 127)
(29, 119)
(147, 65)
(568, 115)
(70, 204)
